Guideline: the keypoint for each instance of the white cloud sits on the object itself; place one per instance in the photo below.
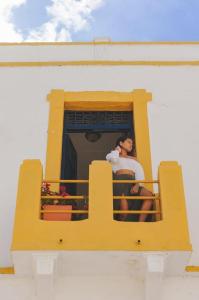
(66, 16)
(8, 31)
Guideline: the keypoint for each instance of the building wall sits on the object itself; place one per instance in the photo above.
(173, 113)
(89, 288)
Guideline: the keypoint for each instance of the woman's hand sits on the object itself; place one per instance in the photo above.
(134, 189)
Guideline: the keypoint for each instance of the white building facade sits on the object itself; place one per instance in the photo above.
(169, 72)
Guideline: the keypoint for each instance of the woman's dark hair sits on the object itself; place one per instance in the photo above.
(124, 138)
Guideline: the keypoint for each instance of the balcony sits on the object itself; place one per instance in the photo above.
(99, 234)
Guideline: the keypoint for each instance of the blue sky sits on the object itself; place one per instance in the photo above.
(31, 15)
(142, 21)
(84, 20)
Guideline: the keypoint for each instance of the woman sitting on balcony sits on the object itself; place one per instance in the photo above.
(126, 167)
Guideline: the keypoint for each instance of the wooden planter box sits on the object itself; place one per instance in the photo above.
(56, 216)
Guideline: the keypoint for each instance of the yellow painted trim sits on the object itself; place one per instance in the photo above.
(135, 101)
(54, 143)
(141, 127)
(101, 99)
(100, 43)
(15, 64)
(100, 231)
(8, 270)
(192, 269)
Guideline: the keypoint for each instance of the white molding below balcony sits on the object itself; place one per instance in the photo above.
(91, 263)
(44, 273)
(155, 268)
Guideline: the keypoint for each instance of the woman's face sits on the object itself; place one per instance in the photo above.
(127, 145)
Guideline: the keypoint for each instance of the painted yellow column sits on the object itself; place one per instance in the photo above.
(173, 205)
(55, 132)
(27, 211)
(142, 138)
(100, 193)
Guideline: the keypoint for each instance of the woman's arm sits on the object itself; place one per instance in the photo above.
(139, 175)
(139, 172)
(113, 155)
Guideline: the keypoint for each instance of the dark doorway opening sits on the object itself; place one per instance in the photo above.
(90, 135)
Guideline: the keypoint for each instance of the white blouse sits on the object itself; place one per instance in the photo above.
(118, 162)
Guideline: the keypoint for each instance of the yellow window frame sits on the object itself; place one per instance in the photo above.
(60, 100)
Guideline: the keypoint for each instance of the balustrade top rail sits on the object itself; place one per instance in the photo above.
(65, 181)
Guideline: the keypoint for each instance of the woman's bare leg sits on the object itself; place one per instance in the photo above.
(146, 203)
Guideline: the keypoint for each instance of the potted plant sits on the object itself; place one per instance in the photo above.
(49, 204)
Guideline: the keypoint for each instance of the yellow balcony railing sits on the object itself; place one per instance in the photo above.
(59, 198)
(99, 231)
(156, 206)
(52, 206)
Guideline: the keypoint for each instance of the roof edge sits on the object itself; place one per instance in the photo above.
(99, 43)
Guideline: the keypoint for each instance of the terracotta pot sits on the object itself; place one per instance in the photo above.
(56, 216)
